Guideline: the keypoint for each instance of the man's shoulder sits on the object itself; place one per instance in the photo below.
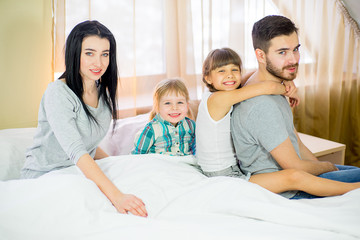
(263, 101)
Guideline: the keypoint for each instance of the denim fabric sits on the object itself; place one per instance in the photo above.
(303, 195)
(345, 174)
(233, 171)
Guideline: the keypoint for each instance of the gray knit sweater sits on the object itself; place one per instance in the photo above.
(64, 132)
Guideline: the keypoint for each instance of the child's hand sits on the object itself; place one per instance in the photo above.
(290, 88)
(274, 88)
(291, 92)
(294, 100)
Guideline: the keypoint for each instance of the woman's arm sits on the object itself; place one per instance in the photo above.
(99, 154)
(124, 203)
(219, 103)
(62, 120)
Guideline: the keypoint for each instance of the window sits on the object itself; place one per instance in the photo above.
(139, 34)
(218, 23)
(159, 39)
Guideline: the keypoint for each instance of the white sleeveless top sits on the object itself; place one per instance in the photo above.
(214, 147)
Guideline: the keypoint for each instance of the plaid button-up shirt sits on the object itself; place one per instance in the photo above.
(160, 136)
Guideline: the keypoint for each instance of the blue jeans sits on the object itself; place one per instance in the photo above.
(345, 174)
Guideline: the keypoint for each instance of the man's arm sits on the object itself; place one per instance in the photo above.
(305, 153)
(286, 157)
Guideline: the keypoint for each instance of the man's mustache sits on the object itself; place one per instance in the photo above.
(291, 66)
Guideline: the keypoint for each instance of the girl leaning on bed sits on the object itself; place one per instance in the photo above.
(75, 113)
(215, 153)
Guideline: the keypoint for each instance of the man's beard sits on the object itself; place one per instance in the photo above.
(279, 73)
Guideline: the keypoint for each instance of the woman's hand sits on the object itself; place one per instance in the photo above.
(291, 92)
(125, 203)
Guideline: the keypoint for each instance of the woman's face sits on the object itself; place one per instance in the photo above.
(94, 58)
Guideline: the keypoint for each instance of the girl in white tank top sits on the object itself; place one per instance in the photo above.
(214, 149)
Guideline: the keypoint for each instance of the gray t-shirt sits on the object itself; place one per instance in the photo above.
(64, 131)
(258, 125)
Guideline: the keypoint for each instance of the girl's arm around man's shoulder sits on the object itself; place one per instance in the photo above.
(220, 102)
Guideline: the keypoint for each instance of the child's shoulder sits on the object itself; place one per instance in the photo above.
(206, 95)
(189, 121)
(150, 123)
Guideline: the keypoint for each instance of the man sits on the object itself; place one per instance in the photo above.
(264, 136)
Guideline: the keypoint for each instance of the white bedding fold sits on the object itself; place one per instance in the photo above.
(180, 201)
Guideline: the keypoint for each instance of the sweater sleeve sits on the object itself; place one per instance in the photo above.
(61, 107)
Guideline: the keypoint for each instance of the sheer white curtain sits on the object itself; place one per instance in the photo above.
(139, 29)
(160, 39)
(329, 84)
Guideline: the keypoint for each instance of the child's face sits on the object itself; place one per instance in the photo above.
(173, 108)
(225, 78)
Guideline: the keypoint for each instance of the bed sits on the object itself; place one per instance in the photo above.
(181, 202)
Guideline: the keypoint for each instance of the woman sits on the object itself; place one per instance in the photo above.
(75, 113)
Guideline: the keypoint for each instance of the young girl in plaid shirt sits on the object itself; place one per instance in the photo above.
(169, 131)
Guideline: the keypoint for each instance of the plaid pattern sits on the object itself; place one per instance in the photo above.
(160, 136)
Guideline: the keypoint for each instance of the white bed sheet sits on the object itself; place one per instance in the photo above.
(13, 144)
(181, 202)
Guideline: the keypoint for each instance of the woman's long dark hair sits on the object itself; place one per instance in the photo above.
(108, 84)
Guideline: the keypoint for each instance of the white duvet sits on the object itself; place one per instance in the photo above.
(181, 202)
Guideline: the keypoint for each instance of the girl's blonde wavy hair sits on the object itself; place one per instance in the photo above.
(165, 87)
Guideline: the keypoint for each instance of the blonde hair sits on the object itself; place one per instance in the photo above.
(165, 87)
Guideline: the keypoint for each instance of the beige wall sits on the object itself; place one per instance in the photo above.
(25, 60)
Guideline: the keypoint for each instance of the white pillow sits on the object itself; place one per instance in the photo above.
(121, 142)
(13, 144)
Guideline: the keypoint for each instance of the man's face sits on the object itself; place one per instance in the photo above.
(282, 58)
